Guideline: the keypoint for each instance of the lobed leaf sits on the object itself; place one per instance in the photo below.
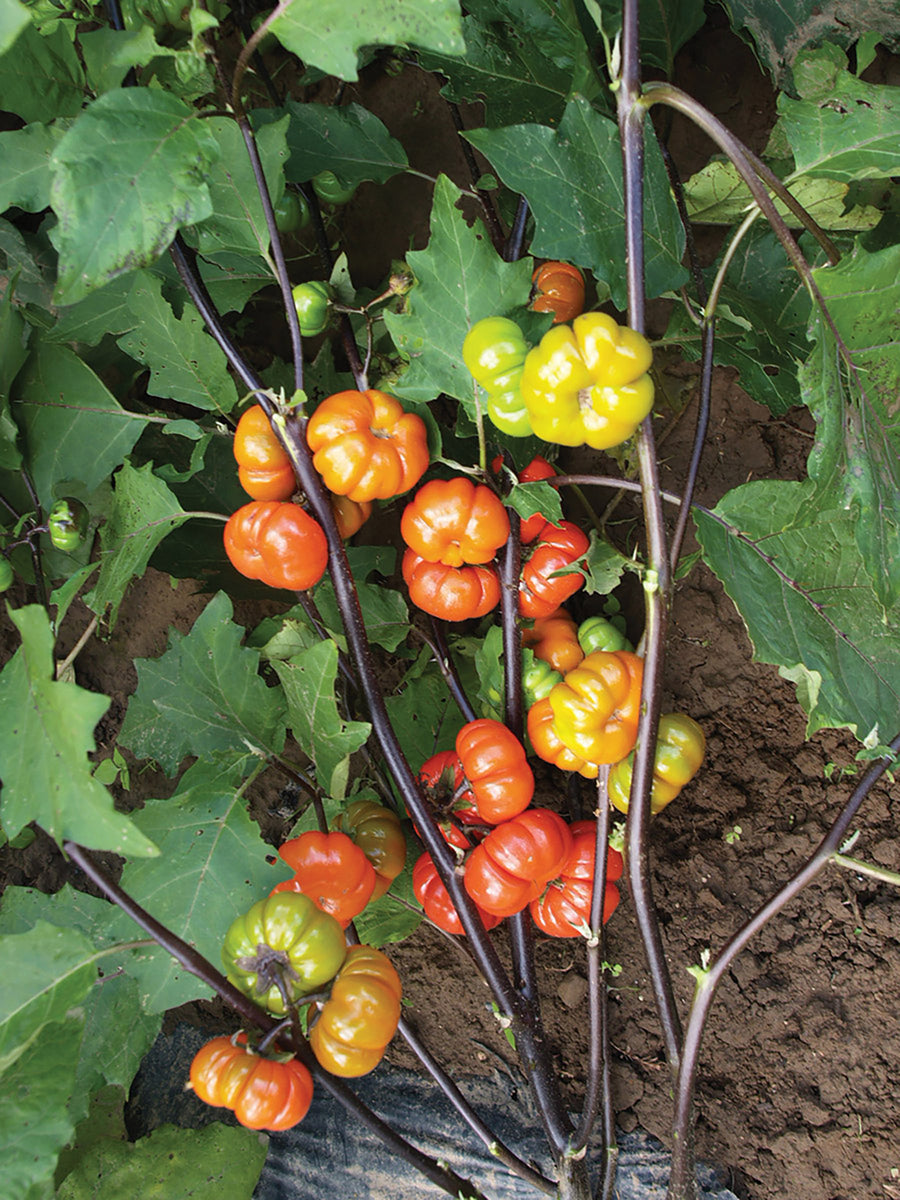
(127, 176)
(328, 33)
(186, 364)
(460, 278)
(308, 679)
(143, 512)
(54, 787)
(572, 180)
(350, 141)
(805, 595)
(35, 1123)
(202, 696)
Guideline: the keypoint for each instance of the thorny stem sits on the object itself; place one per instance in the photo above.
(438, 1173)
(681, 1179)
(870, 870)
(657, 581)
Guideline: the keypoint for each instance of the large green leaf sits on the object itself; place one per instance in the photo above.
(328, 33)
(843, 128)
(35, 1123)
(350, 141)
(805, 595)
(13, 19)
(856, 457)
(144, 969)
(46, 972)
(72, 426)
(203, 695)
(319, 729)
(211, 869)
(761, 322)
(237, 222)
(179, 1164)
(41, 78)
(460, 278)
(524, 59)
(717, 195)
(143, 512)
(46, 734)
(110, 53)
(26, 165)
(185, 363)
(126, 177)
(780, 29)
(107, 310)
(572, 179)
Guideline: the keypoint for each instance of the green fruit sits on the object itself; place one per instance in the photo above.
(313, 304)
(291, 212)
(330, 190)
(67, 524)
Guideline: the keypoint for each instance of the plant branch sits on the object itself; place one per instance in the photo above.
(196, 964)
(681, 1178)
(657, 580)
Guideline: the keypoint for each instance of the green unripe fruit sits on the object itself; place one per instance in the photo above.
(67, 524)
(291, 212)
(313, 304)
(330, 190)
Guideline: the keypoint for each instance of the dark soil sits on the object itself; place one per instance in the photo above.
(798, 1087)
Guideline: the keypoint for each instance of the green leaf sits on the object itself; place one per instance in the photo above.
(805, 596)
(212, 868)
(143, 512)
(105, 1119)
(106, 310)
(117, 1035)
(490, 671)
(126, 177)
(35, 1123)
(848, 129)
(26, 266)
(110, 53)
(42, 78)
(328, 33)
(203, 695)
(424, 716)
(384, 611)
(179, 1164)
(54, 787)
(389, 919)
(185, 363)
(350, 141)
(782, 28)
(856, 457)
(237, 223)
(572, 179)
(14, 335)
(665, 26)
(141, 967)
(26, 166)
(321, 732)
(718, 196)
(233, 278)
(72, 426)
(14, 18)
(460, 278)
(761, 328)
(524, 60)
(530, 498)
(46, 972)
(605, 566)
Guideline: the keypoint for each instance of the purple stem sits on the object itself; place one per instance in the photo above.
(681, 1180)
